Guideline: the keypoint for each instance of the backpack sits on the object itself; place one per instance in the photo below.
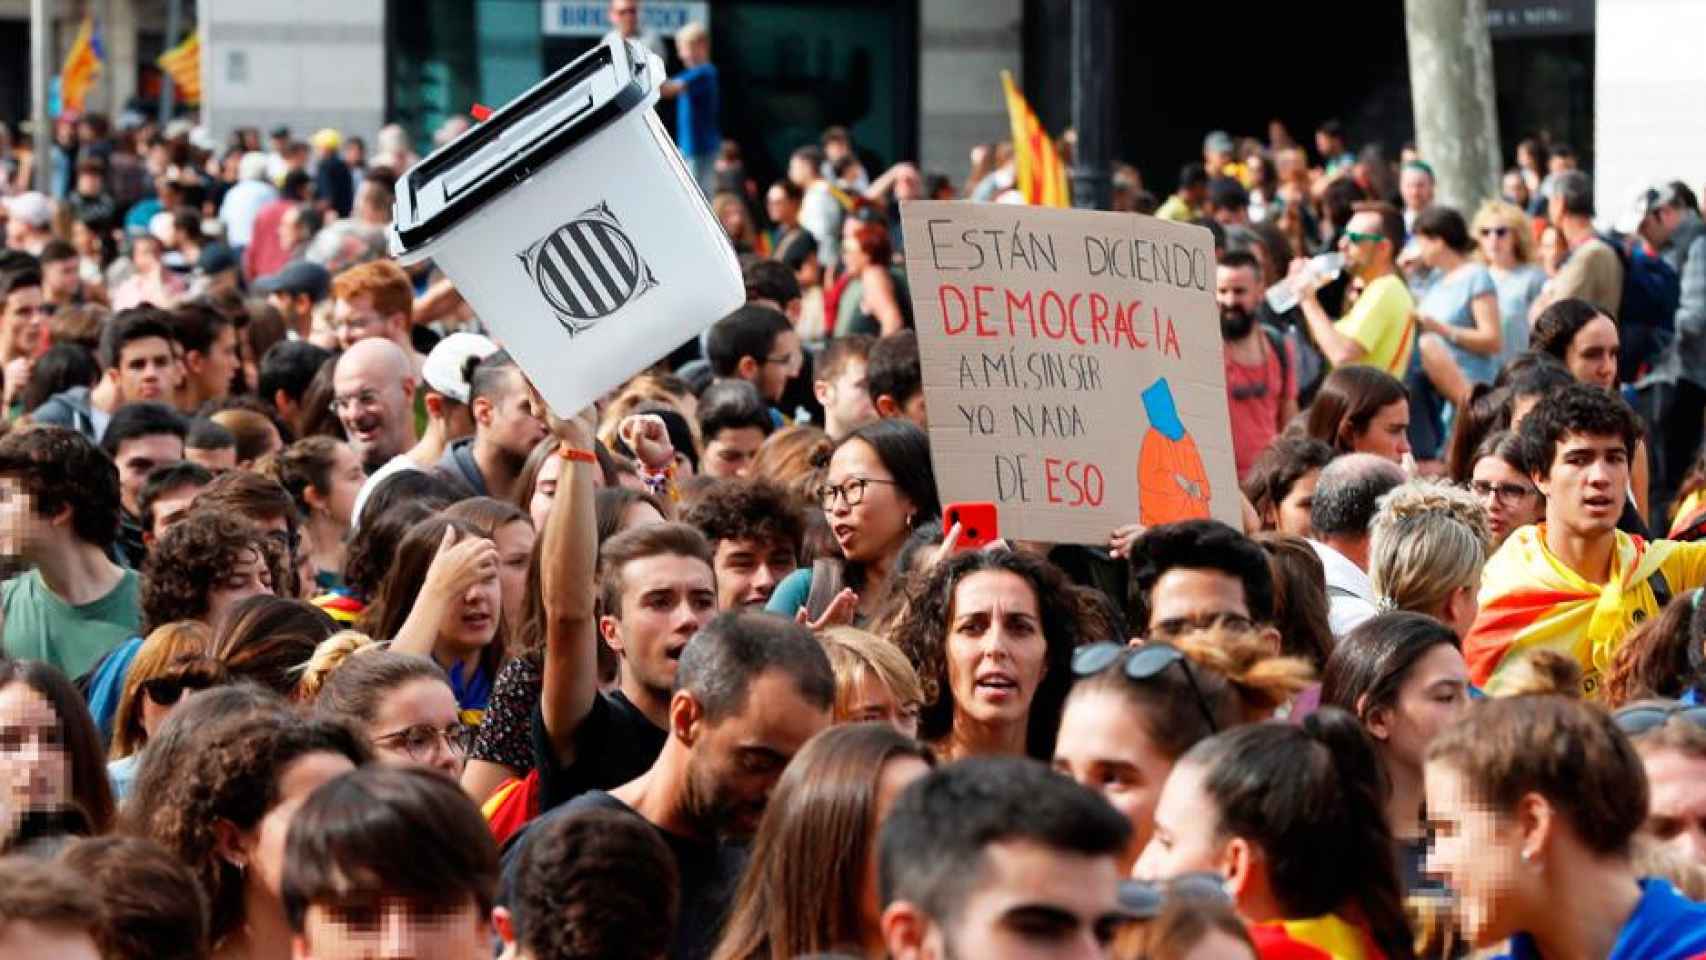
(1646, 314)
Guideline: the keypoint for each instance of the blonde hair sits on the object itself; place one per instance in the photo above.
(856, 654)
(1500, 213)
(1654, 859)
(328, 655)
(794, 457)
(154, 658)
(1263, 680)
(1427, 539)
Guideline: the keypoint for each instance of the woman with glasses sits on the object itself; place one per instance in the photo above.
(878, 487)
(1499, 480)
(1534, 803)
(53, 783)
(1132, 713)
(153, 689)
(401, 703)
(1291, 817)
(1505, 244)
(991, 633)
(1427, 543)
(1403, 677)
(1671, 739)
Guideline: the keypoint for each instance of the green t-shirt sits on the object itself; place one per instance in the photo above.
(41, 626)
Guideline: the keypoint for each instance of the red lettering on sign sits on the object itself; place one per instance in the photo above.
(1072, 483)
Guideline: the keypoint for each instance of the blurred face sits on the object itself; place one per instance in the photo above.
(1292, 514)
(665, 600)
(248, 577)
(1478, 852)
(1388, 433)
(137, 457)
(347, 478)
(1551, 248)
(1676, 808)
(748, 570)
(1587, 483)
(504, 422)
(782, 365)
(472, 621)
(376, 928)
(416, 726)
(625, 17)
(847, 398)
(265, 843)
(356, 320)
(1188, 598)
(1369, 248)
(60, 279)
(810, 273)
(168, 507)
(1030, 901)
(872, 701)
(1509, 495)
(1431, 696)
(375, 412)
(515, 556)
(995, 647)
(780, 207)
(1417, 188)
(1237, 287)
(898, 773)
(733, 218)
(213, 371)
(1497, 242)
(1187, 837)
(147, 370)
(1591, 356)
(35, 769)
(1102, 745)
(291, 231)
(544, 491)
(1515, 188)
(875, 526)
(735, 763)
(21, 322)
(730, 451)
(853, 256)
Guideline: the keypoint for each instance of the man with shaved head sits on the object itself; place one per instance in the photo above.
(373, 391)
(1346, 498)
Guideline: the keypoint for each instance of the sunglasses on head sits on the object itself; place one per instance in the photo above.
(166, 690)
(1645, 718)
(1144, 899)
(1141, 664)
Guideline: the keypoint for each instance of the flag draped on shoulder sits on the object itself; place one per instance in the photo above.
(1038, 173)
(183, 64)
(82, 65)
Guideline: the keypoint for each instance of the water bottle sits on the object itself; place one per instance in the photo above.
(1282, 296)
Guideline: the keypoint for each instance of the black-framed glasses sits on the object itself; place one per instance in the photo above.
(1647, 717)
(166, 690)
(851, 492)
(418, 741)
(1144, 899)
(1141, 664)
(1504, 492)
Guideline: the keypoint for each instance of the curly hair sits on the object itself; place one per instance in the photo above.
(191, 557)
(150, 905)
(1576, 408)
(219, 757)
(922, 634)
(596, 883)
(60, 468)
(747, 509)
(1427, 539)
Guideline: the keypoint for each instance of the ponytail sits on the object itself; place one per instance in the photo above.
(1312, 798)
(1262, 681)
(327, 656)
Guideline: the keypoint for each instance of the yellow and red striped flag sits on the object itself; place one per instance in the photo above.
(183, 64)
(82, 64)
(1039, 174)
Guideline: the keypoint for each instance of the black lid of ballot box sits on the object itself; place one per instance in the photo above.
(526, 134)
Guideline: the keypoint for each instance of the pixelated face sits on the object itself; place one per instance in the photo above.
(265, 843)
(1033, 902)
(21, 526)
(1186, 837)
(1184, 598)
(375, 928)
(409, 727)
(1676, 809)
(875, 526)
(35, 769)
(138, 456)
(1388, 432)
(729, 453)
(996, 651)
(736, 761)
(1103, 745)
(1477, 851)
(870, 700)
(666, 598)
(1587, 483)
(1591, 355)
(147, 370)
(749, 569)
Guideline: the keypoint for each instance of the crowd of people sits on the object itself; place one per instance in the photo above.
(325, 637)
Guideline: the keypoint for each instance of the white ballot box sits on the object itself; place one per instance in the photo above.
(570, 223)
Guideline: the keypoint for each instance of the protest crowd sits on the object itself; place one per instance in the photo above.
(325, 636)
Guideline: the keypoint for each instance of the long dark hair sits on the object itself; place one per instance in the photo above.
(91, 791)
(1367, 668)
(804, 886)
(922, 634)
(1348, 400)
(905, 452)
(267, 639)
(1487, 413)
(1300, 597)
(1311, 797)
(1559, 323)
(402, 587)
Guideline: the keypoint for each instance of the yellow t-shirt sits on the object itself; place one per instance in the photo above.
(1380, 321)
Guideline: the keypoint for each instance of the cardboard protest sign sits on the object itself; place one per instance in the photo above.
(1072, 367)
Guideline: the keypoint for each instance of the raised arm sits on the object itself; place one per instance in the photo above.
(569, 555)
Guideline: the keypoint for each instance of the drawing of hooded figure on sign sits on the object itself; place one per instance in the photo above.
(1171, 482)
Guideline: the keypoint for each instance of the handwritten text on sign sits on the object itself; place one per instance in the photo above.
(1072, 367)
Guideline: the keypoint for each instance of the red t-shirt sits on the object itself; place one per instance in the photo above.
(1254, 395)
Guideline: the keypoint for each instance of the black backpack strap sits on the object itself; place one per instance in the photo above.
(1661, 588)
(1277, 341)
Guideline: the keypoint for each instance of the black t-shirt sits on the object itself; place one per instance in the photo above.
(613, 745)
(710, 873)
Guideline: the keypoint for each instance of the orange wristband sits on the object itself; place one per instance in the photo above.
(576, 454)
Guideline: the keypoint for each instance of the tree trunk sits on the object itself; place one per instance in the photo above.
(1451, 87)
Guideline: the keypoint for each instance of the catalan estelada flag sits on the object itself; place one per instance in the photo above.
(1038, 173)
(183, 64)
(82, 65)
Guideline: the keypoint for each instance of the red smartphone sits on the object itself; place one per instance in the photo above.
(978, 524)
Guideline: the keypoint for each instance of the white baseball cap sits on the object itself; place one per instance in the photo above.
(448, 365)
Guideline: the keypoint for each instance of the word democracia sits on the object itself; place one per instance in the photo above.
(984, 311)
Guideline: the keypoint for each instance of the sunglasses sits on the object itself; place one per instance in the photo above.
(1359, 238)
(1141, 664)
(1144, 899)
(166, 690)
(1646, 718)
(1494, 231)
